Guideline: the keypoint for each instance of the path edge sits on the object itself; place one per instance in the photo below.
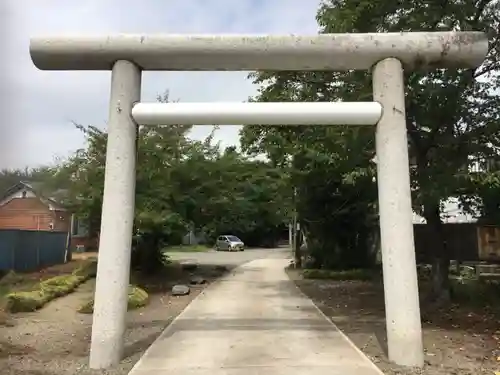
(183, 312)
(344, 336)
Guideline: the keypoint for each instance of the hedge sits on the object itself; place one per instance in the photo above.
(49, 289)
(137, 297)
(355, 274)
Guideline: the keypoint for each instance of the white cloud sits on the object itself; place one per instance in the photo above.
(46, 103)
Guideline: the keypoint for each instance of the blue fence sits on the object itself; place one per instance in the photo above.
(29, 250)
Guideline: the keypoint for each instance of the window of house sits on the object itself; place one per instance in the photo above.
(79, 227)
(74, 229)
(24, 194)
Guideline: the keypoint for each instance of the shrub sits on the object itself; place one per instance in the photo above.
(87, 270)
(49, 289)
(137, 298)
(355, 274)
(25, 301)
(60, 285)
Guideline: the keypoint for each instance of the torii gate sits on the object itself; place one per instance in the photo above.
(384, 53)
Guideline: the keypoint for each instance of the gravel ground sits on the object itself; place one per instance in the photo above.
(55, 340)
(229, 259)
(458, 340)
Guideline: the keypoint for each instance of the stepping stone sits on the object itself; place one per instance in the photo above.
(180, 290)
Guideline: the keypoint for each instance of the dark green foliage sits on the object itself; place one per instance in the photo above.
(452, 116)
(345, 275)
(137, 298)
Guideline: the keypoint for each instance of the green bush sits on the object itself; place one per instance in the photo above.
(474, 292)
(356, 274)
(137, 297)
(60, 285)
(26, 301)
(87, 270)
(49, 289)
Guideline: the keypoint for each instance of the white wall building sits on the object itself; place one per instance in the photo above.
(451, 213)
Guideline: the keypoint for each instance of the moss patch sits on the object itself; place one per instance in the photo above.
(87, 270)
(356, 274)
(137, 298)
(48, 290)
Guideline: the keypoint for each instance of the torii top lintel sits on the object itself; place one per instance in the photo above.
(338, 52)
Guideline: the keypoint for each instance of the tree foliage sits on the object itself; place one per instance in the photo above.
(452, 116)
(181, 185)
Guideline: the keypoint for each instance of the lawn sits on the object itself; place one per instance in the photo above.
(187, 249)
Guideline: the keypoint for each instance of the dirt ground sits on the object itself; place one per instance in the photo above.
(458, 341)
(84, 256)
(55, 340)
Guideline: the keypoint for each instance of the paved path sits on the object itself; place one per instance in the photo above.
(254, 321)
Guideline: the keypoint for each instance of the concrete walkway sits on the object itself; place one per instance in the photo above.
(254, 321)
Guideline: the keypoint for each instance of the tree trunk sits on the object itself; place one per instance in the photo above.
(440, 292)
(296, 250)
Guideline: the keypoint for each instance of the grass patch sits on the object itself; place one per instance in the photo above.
(187, 249)
(47, 290)
(356, 274)
(137, 298)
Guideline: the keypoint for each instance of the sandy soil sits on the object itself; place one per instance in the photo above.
(458, 341)
(55, 340)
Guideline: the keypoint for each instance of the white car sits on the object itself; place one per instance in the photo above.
(230, 243)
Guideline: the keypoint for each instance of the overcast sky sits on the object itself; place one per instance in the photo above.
(46, 103)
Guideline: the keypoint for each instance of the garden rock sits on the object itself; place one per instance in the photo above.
(180, 290)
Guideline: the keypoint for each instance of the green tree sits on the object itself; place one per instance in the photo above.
(330, 169)
(181, 184)
(452, 115)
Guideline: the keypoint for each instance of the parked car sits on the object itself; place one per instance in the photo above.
(230, 243)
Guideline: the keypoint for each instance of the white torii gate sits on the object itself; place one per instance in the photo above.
(384, 53)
